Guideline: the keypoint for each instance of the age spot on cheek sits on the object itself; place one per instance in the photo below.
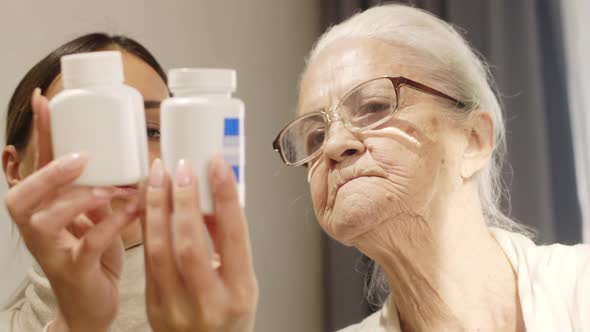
(389, 197)
(434, 122)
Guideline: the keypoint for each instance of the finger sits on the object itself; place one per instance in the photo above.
(152, 296)
(142, 188)
(112, 257)
(29, 193)
(141, 206)
(188, 234)
(80, 226)
(231, 238)
(66, 207)
(40, 106)
(99, 213)
(211, 225)
(158, 242)
(153, 300)
(102, 236)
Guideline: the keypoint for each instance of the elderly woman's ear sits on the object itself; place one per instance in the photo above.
(479, 131)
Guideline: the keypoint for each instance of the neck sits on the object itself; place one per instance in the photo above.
(445, 269)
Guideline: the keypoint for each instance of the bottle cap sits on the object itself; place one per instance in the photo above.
(203, 80)
(92, 68)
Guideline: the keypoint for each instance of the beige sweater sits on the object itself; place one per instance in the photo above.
(553, 286)
(33, 305)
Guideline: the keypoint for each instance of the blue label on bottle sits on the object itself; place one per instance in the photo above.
(237, 173)
(232, 127)
(231, 144)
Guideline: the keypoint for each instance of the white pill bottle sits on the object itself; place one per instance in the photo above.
(201, 119)
(99, 115)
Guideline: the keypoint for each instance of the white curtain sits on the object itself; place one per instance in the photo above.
(577, 41)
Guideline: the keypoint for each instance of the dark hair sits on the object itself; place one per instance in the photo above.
(19, 114)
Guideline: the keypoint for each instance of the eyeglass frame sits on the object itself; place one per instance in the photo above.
(332, 115)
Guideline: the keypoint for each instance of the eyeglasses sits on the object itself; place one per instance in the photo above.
(366, 106)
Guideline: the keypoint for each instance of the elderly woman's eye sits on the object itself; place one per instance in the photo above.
(153, 133)
(314, 140)
(370, 111)
(374, 107)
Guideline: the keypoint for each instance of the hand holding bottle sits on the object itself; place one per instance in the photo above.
(184, 291)
(71, 232)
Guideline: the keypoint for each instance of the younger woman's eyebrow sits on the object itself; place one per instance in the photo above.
(151, 104)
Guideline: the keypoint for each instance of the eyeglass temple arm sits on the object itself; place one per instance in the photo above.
(429, 90)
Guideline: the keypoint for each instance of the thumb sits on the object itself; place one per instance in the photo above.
(112, 258)
(103, 243)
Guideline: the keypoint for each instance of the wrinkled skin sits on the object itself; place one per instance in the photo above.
(402, 164)
(406, 194)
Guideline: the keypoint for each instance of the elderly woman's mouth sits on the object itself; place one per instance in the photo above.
(353, 178)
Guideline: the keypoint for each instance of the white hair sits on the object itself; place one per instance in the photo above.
(446, 62)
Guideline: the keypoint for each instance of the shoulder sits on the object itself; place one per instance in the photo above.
(384, 320)
(563, 263)
(12, 308)
(370, 323)
(26, 309)
(553, 280)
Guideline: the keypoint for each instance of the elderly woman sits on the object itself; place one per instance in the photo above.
(403, 138)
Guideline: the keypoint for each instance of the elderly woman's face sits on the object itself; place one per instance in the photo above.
(403, 166)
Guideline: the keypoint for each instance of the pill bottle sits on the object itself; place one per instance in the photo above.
(99, 115)
(201, 119)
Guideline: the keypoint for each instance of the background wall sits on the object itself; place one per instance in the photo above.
(266, 41)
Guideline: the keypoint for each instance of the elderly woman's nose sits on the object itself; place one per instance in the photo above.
(342, 143)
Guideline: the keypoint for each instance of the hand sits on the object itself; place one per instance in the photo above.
(71, 232)
(184, 291)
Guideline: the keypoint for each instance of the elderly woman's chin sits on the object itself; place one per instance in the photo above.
(358, 207)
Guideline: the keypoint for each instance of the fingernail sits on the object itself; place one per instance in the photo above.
(102, 193)
(34, 96)
(220, 168)
(73, 161)
(157, 174)
(183, 174)
(36, 93)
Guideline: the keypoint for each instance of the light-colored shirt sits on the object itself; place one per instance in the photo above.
(34, 305)
(553, 286)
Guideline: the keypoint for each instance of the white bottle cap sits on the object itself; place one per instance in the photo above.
(91, 68)
(203, 80)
